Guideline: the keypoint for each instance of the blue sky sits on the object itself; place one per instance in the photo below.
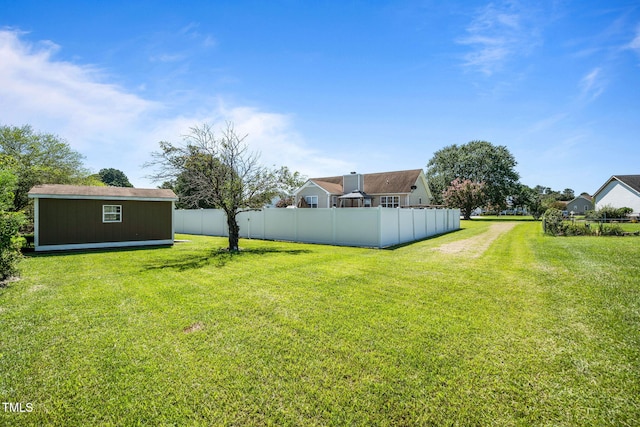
(329, 87)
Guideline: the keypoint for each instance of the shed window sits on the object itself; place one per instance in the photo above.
(111, 213)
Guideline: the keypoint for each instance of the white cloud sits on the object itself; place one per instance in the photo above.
(36, 88)
(271, 135)
(498, 33)
(113, 127)
(547, 123)
(635, 43)
(592, 85)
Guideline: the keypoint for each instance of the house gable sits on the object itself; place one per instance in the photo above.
(580, 204)
(619, 191)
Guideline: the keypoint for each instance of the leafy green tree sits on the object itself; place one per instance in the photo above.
(219, 171)
(567, 195)
(288, 183)
(114, 178)
(40, 158)
(477, 161)
(530, 199)
(10, 222)
(464, 194)
(8, 181)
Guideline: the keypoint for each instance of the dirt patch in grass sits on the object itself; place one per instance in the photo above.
(4, 283)
(475, 246)
(193, 328)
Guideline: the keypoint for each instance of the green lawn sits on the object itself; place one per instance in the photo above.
(535, 331)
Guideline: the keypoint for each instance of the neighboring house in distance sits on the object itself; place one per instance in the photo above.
(386, 189)
(580, 205)
(82, 217)
(619, 191)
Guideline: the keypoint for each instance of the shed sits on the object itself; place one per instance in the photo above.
(83, 217)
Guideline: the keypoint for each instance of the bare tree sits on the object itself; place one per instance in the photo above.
(218, 171)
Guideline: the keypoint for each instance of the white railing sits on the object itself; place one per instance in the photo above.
(366, 227)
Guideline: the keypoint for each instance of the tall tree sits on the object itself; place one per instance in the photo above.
(41, 158)
(477, 161)
(114, 177)
(532, 199)
(568, 194)
(219, 171)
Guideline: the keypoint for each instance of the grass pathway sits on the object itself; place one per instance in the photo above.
(476, 245)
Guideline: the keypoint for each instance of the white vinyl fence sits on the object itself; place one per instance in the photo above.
(367, 227)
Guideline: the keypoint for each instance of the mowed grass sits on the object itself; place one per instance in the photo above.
(535, 331)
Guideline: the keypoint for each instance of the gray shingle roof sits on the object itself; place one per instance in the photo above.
(632, 181)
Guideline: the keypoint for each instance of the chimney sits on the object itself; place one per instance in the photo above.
(352, 182)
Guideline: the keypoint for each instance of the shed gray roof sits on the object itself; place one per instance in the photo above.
(59, 191)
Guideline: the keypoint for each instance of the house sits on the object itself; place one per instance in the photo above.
(619, 191)
(385, 189)
(83, 217)
(580, 205)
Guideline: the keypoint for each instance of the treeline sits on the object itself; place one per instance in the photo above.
(29, 158)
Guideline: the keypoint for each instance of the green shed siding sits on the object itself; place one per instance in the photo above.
(79, 221)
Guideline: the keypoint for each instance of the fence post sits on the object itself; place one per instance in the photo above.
(333, 225)
(399, 226)
(379, 226)
(413, 222)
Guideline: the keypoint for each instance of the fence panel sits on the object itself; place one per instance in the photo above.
(419, 223)
(357, 227)
(406, 228)
(388, 227)
(251, 224)
(316, 225)
(369, 227)
(280, 224)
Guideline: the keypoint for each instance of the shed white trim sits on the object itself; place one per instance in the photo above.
(103, 245)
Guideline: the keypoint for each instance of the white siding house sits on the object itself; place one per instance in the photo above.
(619, 191)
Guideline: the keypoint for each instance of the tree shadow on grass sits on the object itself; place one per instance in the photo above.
(217, 258)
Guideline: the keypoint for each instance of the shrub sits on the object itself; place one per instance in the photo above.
(608, 212)
(552, 222)
(577, 230)
(10, 223)
(609, 230)
(591, 215)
